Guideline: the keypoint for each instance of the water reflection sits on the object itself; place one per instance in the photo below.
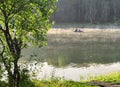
(66, 47)
(74, 73)
(73, 55)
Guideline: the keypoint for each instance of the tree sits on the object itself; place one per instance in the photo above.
(23, 23)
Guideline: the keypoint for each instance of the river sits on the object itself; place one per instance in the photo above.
(77, 55)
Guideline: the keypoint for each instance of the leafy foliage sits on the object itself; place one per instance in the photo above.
(22, 23)
(28, 19)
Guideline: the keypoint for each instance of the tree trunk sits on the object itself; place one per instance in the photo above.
(16, 75)
(14, 46)
(14, 78)
(11, 81)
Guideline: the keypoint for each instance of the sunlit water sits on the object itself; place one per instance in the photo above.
(76, 56)
(45, 71)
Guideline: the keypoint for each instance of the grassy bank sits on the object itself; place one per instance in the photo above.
(51, 83)
(111, 78)
(57, 83)
(108, 78)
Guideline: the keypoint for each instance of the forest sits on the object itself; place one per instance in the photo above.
(87, 11)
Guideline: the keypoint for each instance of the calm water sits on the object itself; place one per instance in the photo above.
(77, 56)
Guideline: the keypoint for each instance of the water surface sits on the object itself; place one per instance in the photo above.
(74, 55)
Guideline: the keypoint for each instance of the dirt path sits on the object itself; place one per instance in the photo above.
(104, 84)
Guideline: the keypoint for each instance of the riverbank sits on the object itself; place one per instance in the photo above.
(79, 55)
(87, 25)
(109, 80)
(51, 83)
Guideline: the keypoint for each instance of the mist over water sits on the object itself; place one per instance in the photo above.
(80, 55)
(93, 52)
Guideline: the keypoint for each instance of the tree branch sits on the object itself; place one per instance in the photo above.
(1, 53)
(1, 28)
(12, 6)
(7, 67)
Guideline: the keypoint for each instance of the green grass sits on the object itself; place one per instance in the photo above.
(51, 83)
(57, 83)
(112, 78)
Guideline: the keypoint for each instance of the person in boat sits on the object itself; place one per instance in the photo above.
(76, 30)
(80, 30)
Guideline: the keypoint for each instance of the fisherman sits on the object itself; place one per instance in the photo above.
(80, 30)
(76, 30)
